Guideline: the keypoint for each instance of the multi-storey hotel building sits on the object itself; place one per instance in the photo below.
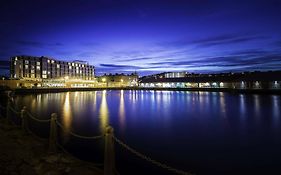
(37, 68)
(30, 71)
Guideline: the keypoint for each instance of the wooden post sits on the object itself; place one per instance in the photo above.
(23, 119)
(109, 154)
(53, 134)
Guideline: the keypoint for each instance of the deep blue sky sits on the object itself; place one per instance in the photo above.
(146, 36)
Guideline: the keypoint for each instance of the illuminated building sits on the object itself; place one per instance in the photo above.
(38, 68)
(119, 80)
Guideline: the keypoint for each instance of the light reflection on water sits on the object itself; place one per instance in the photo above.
(212, 122)
(103, 113)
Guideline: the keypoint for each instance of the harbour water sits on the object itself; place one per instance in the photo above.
(201, 132)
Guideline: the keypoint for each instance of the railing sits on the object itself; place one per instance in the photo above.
(109, 140)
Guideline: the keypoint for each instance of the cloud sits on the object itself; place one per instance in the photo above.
(267, 61)
(135, 59)
(5, 65)
(120, 66)
(224, 39)
(37, 44)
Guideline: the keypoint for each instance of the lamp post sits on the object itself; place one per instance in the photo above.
(104, 80)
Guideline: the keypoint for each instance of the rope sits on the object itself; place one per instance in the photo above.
(159, 164)
(79, 136)
(36, 119)
(36, 136)
(66, 152)
(15, 111)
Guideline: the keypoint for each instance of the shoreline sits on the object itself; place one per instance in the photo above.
(57, 90)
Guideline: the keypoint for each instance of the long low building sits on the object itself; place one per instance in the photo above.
(245, 80)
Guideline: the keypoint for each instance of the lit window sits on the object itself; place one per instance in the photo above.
(53, 61)
(26, 61)
(15, 63)
(38, 63)
(44, 76)
(58, 66)
(38, 67)
(44, 72)
(26, 66)
(32, 71)
(48, 61)
(16, 58)
(72, 64)
(70, 67)
(49, 72)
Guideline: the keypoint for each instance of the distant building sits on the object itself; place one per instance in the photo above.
(38, 68)
(118, 80)
(244, 80)
(175, 74)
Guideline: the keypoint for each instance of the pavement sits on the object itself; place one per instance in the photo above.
(23, 154)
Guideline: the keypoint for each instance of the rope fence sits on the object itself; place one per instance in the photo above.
(109, 140)
(144, 157)
(36, 119)
(77, 135)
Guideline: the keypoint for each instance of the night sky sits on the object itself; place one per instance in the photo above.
(146, 36)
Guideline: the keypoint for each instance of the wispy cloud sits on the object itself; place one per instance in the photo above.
(37, 44)
(5, 65)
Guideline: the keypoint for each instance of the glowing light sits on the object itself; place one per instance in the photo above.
(122, 110)
(122, 80)
(103, 79)
(66, 77)
(67, 116)
(103, 114)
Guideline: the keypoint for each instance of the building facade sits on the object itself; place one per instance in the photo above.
(40, 68)
(118, 80)
(244, 80)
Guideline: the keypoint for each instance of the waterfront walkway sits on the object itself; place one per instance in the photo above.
(22, 153)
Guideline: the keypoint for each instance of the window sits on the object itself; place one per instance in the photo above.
(58, 66)
(15, 63)
(44, 76)
(38, 67)
(32, 71)
(26, 61)
(44, 71)
(38, 63)
(48, 61)
(16, 58)
(70, 67)
(53, 61)
(72, 64)
(26, 66)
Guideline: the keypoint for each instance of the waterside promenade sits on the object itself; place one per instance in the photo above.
(23, 153)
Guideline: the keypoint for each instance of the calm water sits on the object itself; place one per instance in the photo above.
(205, 132)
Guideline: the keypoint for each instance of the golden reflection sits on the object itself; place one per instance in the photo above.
(103, 112)
(95, 101)
(122, 110)
(67, 116)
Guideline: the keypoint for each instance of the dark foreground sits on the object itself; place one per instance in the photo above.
(22, 153)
